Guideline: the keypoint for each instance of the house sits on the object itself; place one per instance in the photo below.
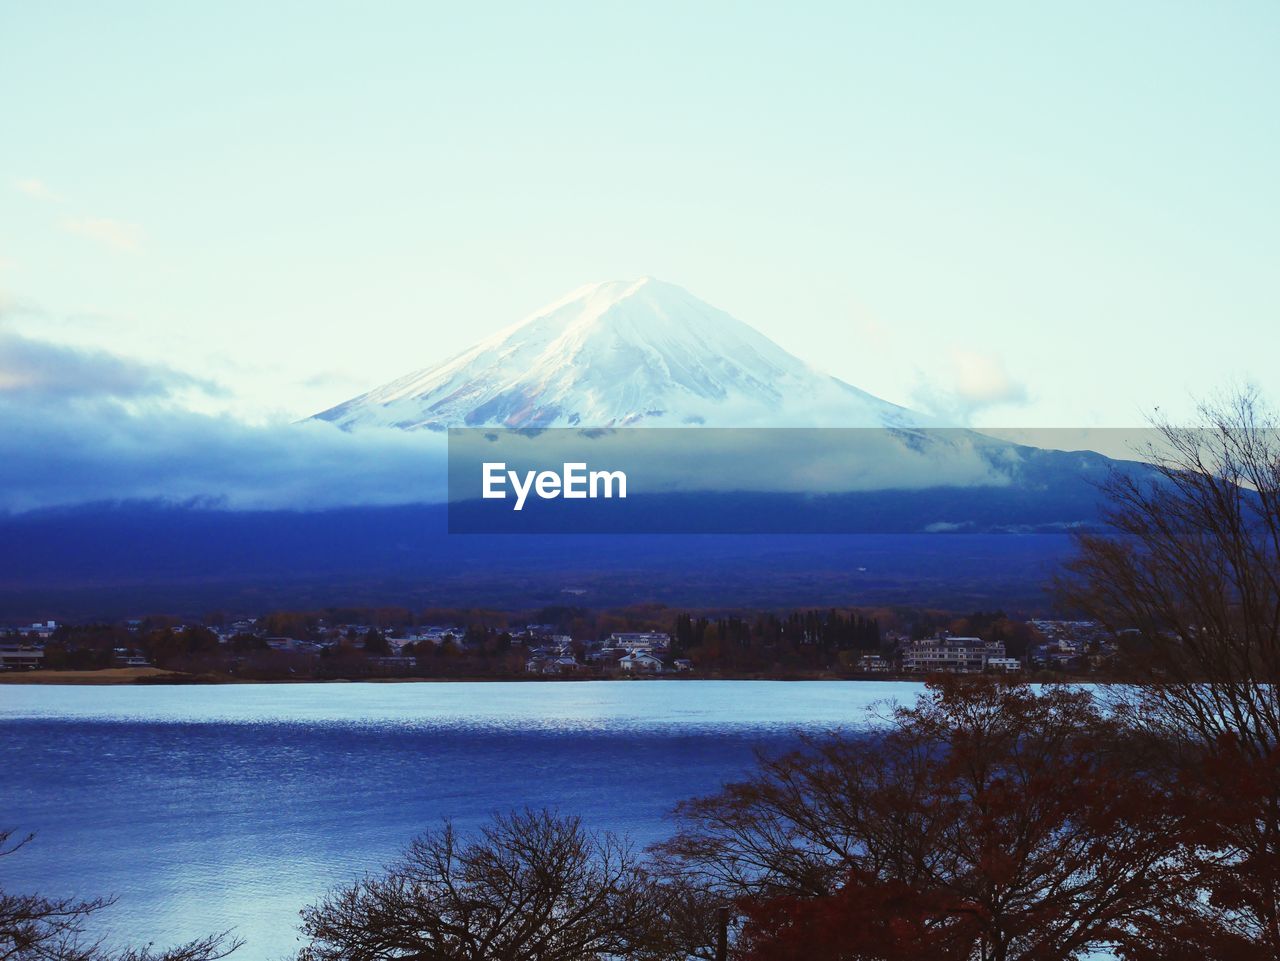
(641, 662)
(682, 664)
(1007, 665)
(437, 635)
(874, 664)
(18, 658)
(551, 651)
(292, 645)
(543, 664)
(1060, 655)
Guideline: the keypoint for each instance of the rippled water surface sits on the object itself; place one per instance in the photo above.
(205, 808)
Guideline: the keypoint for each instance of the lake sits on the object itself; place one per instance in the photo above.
(232, 806)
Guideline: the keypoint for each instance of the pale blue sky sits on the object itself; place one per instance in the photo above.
(1070, 207)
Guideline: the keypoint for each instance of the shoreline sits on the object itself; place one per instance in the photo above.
(151, 676)
(102, 676)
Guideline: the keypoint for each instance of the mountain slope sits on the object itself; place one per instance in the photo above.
(621, 353)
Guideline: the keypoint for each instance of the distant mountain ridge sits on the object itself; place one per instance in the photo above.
(621, 353)
(937, 517)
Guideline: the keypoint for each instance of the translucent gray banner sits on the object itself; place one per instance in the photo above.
(783, 480)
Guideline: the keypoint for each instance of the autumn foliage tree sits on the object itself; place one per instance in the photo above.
(987, 821)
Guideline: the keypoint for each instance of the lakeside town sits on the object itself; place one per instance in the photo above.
(567, 644)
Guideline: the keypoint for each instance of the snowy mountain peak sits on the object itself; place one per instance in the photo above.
(618, 353)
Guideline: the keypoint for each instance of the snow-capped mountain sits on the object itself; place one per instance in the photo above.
(621, 353)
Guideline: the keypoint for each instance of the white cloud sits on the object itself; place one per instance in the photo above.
(983, 381)
(116, 234)
(85, 425)
(37, 189)
(101, 451)
(970, 382)
(89, 426)
(873, 334)
(47, 373)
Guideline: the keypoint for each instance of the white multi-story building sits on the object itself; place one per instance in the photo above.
(639, 641)
(955, 655)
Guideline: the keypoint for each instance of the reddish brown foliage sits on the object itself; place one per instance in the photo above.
(989, 821)
(867, 918)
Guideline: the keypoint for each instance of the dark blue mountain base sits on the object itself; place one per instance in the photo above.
(124, 560)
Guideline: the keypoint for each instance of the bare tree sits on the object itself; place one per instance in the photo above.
(34, 927)
(1189, 581)
(1189, 576)
(529, 886)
